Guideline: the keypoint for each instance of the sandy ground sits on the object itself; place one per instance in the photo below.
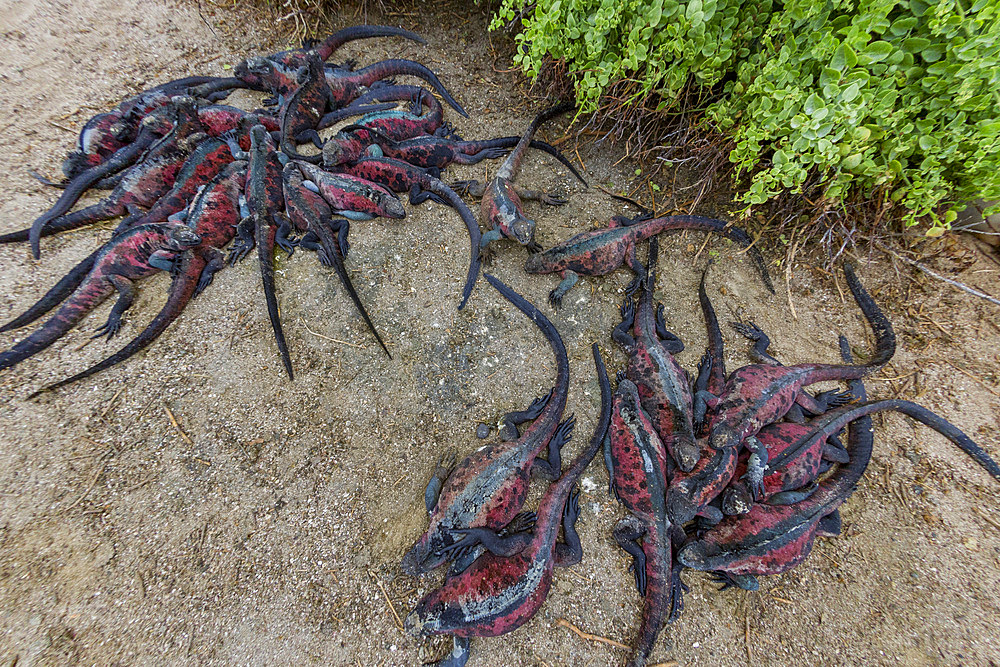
(266, 527)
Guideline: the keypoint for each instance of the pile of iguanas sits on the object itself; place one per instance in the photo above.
(735, 475)
(173, 158)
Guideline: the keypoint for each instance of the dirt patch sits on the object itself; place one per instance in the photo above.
(268, 531)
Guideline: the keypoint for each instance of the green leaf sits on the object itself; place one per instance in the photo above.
(932, 53)
(654, 14)
(904, 24)
(877, 51)
(989, 128)
(851, 161)
(844, 58)
(813, 102)
(915, 44)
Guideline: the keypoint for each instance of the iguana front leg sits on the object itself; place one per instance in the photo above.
(551, 199)
(551, 467)
(511, 420)
(570, 551)
(626, 533)
(569, 279)
(126, 292)
(471, 188)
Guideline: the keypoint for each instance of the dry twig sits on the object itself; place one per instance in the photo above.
(586, 635)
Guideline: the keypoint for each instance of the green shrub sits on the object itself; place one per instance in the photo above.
(880, 98)
(661, 44)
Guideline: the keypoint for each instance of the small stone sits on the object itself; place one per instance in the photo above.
(103, 554)
(483, 431)
(971, 543)
(362, 558)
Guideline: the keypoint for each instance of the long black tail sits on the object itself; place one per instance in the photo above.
(548, 330)
(331, 252)
(57, 294)
(326, 48)
(508, 142)
(701, 223)
(715, 353)
(885, 338)
(831, 422)
(182, 288)
(580, 463)
(398, 66)
(475, 235)
(514, 160)
(265, 255)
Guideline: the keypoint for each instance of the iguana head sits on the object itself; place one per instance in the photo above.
(182, 236)
(426, 554)
(736, 500)
(256, 72)
(334, 152)
(523, 230)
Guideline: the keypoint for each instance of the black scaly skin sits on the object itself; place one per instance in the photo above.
(401, 124)
(302, 112)
(712, 369)
(260, 73)
(213, 216)
(265, 198)
(488, 488)
(639, 465)
(57, 294)
(310, 213)
(126, 258)
(504, 588)
(600, 251)
(401, 177)
(757, 395)
(774, 538)
(501, 204)
(143, 184)
(205, 162)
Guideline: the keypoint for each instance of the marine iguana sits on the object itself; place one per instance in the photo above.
(488, 487)
(663, 384)
(501, 203)
(213, 216)
(140, 252)
(638, 467)
(601, 251)
(502, 589)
